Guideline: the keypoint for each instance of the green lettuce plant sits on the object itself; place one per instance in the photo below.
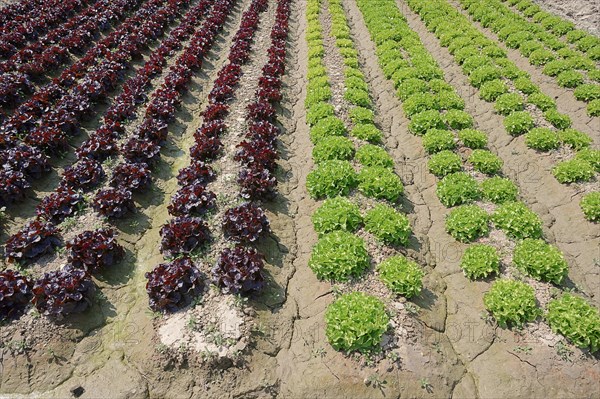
(485, 162)
(542, 101)
(317, 94)
(436, 140)
(517, 220)
(525, 85)
(424, 121)
(318, 112)
(356, 322)
(330, 179)
(372, 155)
(593, 108)
(518, 123)
(542, 139)
(402, 276)
(540, 260)
(573, 170)
(590, 156)
(508, 103)
(380, 183)
(458, 119)
(480, 261)
(590, 205)
(444, 162)
(553, 68)
(587, 92)
(358, 97)
(367, 132)
(473, 138)
(388, 225)
(575, 139)
(541, 57)
(569, 79)
(447, 100)
(338, 213)
(558, 120)
(467, 223)
(512, 303)
(484, 74)
(361, 115)
(499, 190)
(338, 256)
(576, 319)
(408, 87)
(327, 127)
(457, 188)
(331, 148)
(490, 91)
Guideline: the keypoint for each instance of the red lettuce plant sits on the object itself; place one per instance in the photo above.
(261, 111)
(85, 175)
(245, 223)
(263, 130)
(28, 160)
(153, 130)
(51, 140)
(258, 153)
(32, 241)
(197, 173)
(269, 88)
(221, 93)
(213, 128)
(62, 292)
(113, 202)
(272, 94)
(257, 183)
(178, 78)
(95, 250)
(274, 69)
(206, 148)
(134, 176)
(183, 235)
(216, 111)
(163, 104)
(98, 147)
(60, 205)
(192, 199)
(15, 294)
(239, 271)
(173, 286)
(140, 150)
(12, 186)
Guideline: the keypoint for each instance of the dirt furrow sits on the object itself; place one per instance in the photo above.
(306, 295)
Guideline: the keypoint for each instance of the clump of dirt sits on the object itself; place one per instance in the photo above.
(218, 329)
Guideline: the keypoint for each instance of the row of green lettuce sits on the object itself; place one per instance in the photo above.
(355, 321)
(559, 27)
(427, 100)
(498, 79)
(546, 43)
